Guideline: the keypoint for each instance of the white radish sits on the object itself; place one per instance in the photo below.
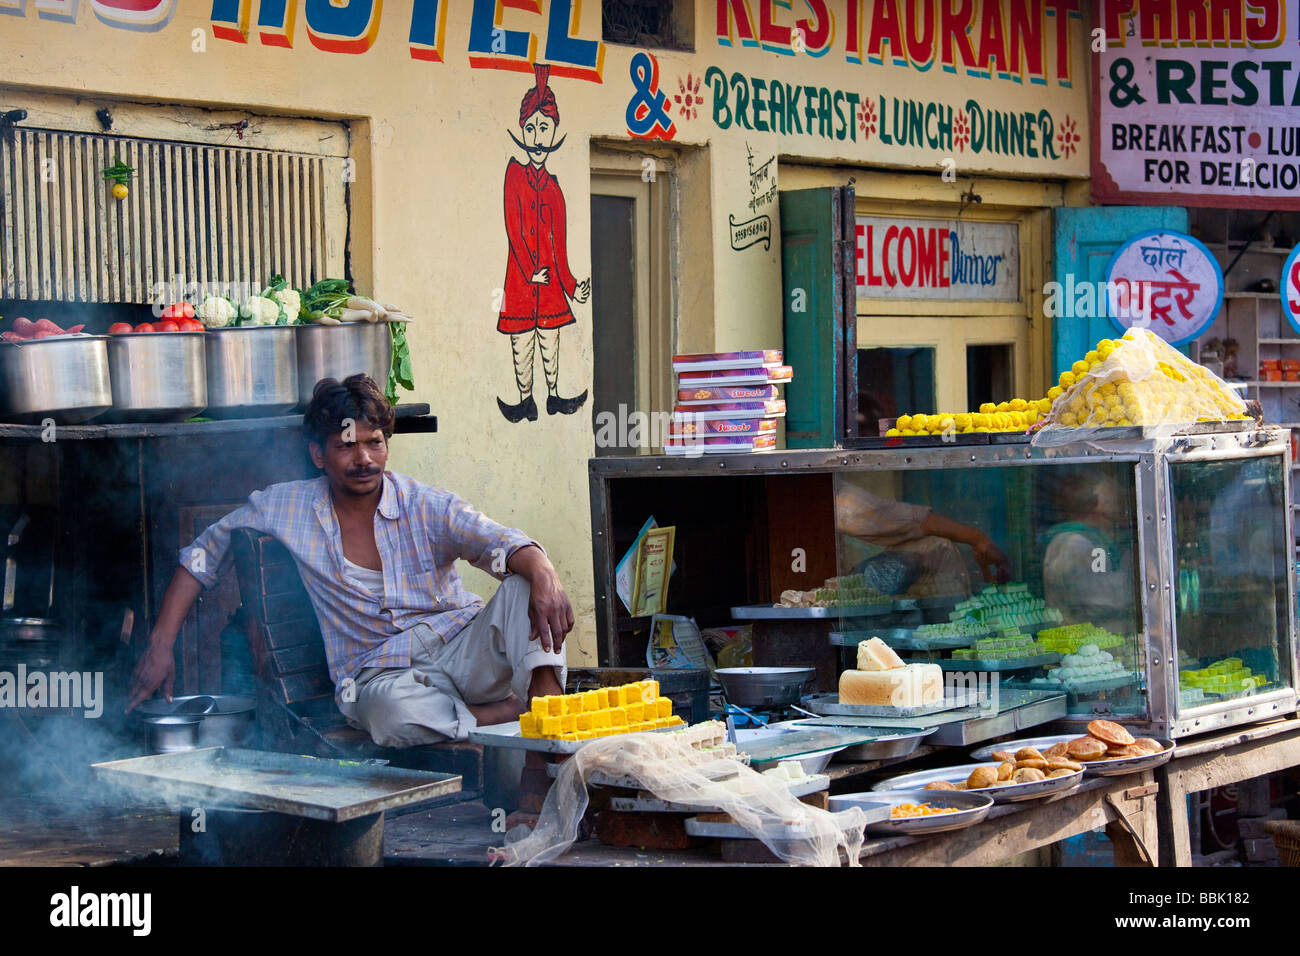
(394, 316)
(361, 302)
(356, 315)
(327, 320)
(389, 307)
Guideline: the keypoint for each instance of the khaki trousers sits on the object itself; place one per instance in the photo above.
(486, 662)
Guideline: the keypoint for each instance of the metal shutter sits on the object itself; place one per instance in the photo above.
(195, 213)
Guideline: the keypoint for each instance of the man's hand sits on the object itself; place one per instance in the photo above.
(157, 668)
(992, 561)
(549, 610)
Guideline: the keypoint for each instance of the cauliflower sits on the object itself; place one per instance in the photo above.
(216, 312)
(259, 310)
(291, 299)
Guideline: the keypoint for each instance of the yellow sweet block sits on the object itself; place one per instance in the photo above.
(602, 698)
(585, 721)
(617, 717)
(641, 726)
(600, 720)
(569, 736)
(649, 691)
(555, 704)
(550, 727)
(541, 707)
(662, 722)
(633, 711)
(591, 701)
(572, 704)
(527, 725)
(584, 735)
(664, 707)
(568, 723)
(675, 721)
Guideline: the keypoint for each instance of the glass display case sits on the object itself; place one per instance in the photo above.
(1146, 580)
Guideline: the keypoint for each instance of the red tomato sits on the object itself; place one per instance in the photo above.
(181, 310)
(144, 327)
(119, 328)
(166, 325)
(191, 325)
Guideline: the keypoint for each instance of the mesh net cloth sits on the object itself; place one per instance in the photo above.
(684, 767)
(1137, 380)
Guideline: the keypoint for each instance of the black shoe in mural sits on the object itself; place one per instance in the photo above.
(564, 406)
(525, 409)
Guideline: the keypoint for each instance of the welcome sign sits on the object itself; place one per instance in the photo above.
(937, 259)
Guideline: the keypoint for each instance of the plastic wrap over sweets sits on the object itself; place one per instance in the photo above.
(694, 767)
(1138, 380)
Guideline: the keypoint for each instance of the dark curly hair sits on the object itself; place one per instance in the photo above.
(357, 397)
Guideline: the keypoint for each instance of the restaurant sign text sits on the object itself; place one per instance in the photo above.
(937, 259)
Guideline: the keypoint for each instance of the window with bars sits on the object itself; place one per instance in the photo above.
(214, 215)
(666, 24)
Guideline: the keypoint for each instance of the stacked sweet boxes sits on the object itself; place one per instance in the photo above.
(727, 402)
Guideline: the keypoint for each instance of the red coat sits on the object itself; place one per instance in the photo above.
(535, 226)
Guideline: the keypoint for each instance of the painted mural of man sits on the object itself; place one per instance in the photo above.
(538, 285)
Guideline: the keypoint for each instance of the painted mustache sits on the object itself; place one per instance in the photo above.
(537, 149)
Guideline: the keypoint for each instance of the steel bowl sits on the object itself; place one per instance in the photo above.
(231, 722)
(252, 371)
(64, 378)
(337, 351)
(157, 376)
(764, 686)
(172, 734)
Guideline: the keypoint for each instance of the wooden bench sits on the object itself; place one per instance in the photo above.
(295, 695)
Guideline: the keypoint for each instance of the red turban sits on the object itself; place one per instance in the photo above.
(539, 98)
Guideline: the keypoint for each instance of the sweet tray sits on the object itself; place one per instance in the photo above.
(1091, 768)
(507, 735)
(828, 705)
(905, 639)
(768, 612)
(1010, 793)
(987, 664)
(971, 808)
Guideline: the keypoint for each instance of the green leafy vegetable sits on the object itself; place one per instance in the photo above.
(328, 297)
(400, 371)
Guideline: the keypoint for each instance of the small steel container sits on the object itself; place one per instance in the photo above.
(64, 378)
(337, 351)
(157, 376)
(764, 686)
(252, 371)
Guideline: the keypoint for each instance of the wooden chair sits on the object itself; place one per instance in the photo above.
(295, 696)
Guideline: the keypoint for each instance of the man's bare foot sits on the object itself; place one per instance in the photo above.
(497, 712)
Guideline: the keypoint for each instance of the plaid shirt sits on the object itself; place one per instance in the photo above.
(420, 531)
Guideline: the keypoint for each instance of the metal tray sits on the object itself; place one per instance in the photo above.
(1083, 687)
(734, 831)
(1011, 793)
(1091, 768)
(507, 735)
(768, 612)
(905, 639)
(991, 665)
(650, 804)
(828, 705)
(313, 787)
(1017, 710)
(972, 808)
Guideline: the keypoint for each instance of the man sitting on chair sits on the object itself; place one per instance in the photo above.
(415, 658)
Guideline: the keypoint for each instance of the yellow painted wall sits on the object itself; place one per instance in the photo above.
(431, 146)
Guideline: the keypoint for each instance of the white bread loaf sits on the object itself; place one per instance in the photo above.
(913, 685)
(876, 655)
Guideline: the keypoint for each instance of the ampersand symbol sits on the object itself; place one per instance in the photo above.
(1123, 91)
(647, 117)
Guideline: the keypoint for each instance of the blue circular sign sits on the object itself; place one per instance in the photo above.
(1164, 281)
(1290, 288)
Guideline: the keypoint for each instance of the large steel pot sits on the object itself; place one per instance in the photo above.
(157, 376)
(64, 378)
(764, 686)
(231, 722)
(337, 351)
(252, 371)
